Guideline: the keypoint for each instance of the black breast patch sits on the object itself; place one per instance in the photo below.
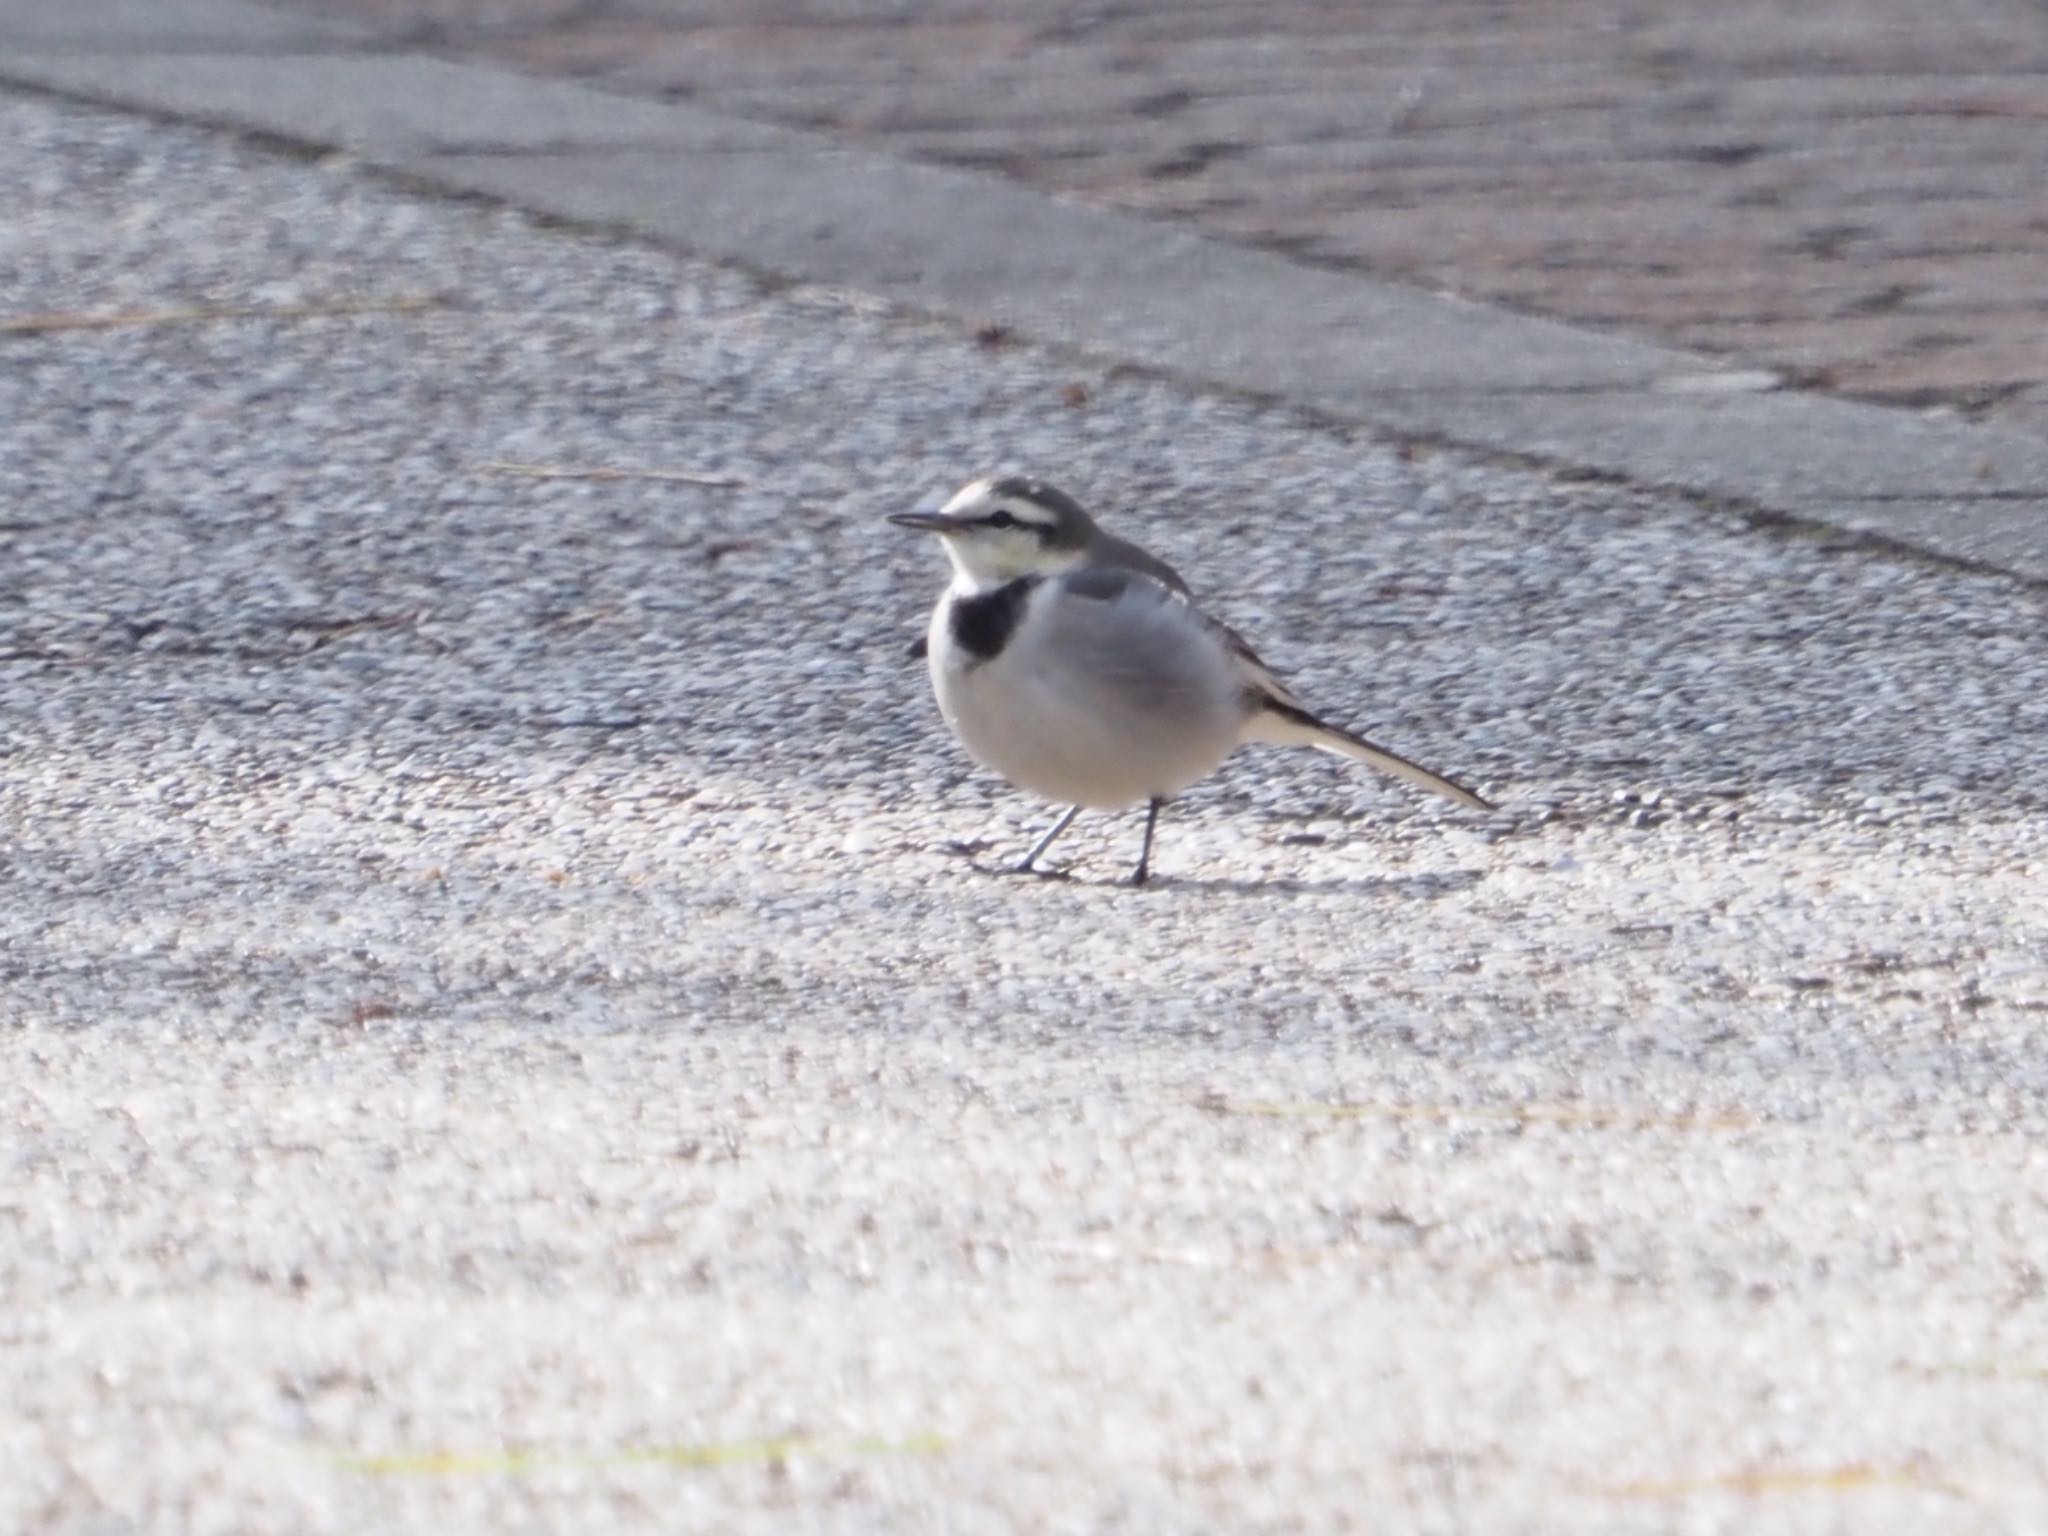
(982, 624)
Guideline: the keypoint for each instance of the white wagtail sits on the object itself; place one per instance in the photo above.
(1075, 665)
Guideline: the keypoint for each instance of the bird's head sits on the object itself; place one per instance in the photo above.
(999, 529)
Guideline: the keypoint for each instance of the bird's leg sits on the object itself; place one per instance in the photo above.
(1045, 842)
(1144, 869)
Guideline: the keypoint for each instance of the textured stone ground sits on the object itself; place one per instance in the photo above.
(1848, 191)
(503, 1032)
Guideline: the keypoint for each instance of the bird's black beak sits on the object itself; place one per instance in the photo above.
(925, 522)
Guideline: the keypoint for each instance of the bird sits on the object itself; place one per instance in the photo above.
(1076, 664)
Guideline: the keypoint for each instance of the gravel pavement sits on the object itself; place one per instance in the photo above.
(506, 1029)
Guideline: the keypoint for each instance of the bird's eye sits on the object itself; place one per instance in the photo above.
(1000, 519)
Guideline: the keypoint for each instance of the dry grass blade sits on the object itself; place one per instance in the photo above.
(124, 319)
(605, 472)
(1758, 1481)
(518, 1462)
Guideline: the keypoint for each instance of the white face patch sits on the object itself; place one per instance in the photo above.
(988, 553)
(1002, 531)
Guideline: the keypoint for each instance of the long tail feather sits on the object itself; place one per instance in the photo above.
(1290, 725)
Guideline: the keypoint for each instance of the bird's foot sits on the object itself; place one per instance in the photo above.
(1036, 871)
(970, 849)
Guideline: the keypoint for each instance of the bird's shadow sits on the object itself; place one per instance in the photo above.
(1424, 887)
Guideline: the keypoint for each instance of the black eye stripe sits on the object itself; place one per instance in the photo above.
(1003, 517)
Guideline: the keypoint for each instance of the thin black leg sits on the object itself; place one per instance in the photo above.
(1045, 842)
(1144, 869)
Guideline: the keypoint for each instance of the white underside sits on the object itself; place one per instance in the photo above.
(1093, 704)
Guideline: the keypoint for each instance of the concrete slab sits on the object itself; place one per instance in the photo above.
(1785, 449)
(383, 105)
(953, 243)
(949, 240)
(1845, 191)
(125, 26)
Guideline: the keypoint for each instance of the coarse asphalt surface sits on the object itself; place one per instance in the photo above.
(508, 1026)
